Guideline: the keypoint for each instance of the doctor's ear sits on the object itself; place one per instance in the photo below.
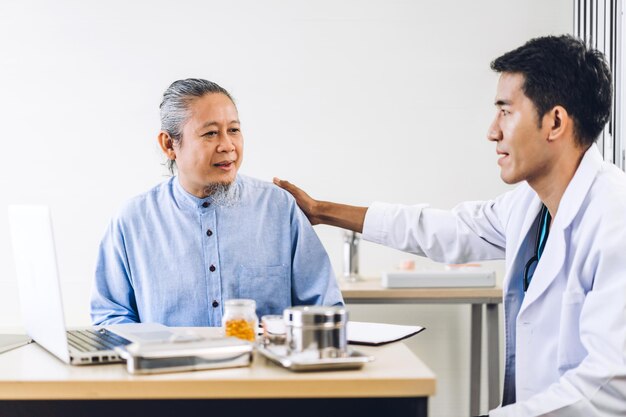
(559, 121)
(167, 145)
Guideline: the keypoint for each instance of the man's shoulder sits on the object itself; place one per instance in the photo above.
(602, 216)
(609, 187)
(612, 176)
(141, 203)
(257, 188)
(255, 183)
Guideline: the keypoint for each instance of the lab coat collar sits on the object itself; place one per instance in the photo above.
(569, 206)
(578, 187)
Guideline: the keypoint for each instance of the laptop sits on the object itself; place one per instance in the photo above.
(40, 296)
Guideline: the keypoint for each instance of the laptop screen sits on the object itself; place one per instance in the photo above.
(37, 275)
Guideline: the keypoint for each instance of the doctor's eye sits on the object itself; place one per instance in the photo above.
(234, 130)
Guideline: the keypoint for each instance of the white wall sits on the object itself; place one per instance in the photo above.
(355, 101)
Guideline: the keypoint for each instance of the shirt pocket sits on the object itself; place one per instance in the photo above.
(269, 286)
(571, 351)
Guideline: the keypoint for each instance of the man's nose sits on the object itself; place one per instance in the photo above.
(494, 133)
(225, 144)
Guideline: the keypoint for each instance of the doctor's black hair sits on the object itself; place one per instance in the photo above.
(175, 106)
(563, 71)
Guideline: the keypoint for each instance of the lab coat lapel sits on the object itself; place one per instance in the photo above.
(554, 253)
(531, 214)
(548, 269)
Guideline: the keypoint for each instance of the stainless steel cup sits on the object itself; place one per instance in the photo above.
(317, 329)
(351, 256)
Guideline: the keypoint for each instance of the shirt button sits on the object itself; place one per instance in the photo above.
(205, 204)
(215, 304)
(212, 268)
(209, 232)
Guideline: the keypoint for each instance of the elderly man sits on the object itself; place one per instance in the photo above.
(174, 254)
(562, 231)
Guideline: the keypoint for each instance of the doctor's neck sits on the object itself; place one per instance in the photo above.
(550, 184)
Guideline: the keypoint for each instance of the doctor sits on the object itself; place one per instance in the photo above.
(562, 231)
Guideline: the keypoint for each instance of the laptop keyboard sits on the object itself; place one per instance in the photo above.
(94, 340)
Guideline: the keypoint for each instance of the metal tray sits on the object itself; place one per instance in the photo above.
(304, 362)
(206, 353)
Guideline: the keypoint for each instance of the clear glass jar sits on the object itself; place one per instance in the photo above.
(240, 319)
(273, 329)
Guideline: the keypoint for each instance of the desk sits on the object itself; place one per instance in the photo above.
(371, 291)
(33, 382)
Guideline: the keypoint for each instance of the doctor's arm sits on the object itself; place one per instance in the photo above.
(473, 231)
(113, 297)
(326, 212)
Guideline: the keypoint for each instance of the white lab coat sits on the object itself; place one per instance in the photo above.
(566, 337)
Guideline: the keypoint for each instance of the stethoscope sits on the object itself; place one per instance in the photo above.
(540, 243)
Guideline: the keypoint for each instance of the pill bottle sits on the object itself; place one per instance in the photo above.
(240, 319)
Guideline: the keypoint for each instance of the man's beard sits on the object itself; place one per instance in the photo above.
(223, 194)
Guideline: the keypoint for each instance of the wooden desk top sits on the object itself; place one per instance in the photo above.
(29, 372)
(371, 291)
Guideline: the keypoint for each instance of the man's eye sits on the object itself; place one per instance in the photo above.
(210, 134)
(234, 130)
(504, 112)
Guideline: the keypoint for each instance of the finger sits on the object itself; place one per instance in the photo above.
(282, 183)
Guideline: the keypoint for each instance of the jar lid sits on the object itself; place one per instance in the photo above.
(240, 302)
(315, 315)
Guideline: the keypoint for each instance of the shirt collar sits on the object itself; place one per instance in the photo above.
(189, 200)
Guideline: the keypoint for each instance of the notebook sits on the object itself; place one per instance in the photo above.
(376, 334)
(40, 294)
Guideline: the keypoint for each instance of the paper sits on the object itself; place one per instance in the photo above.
(437, 278)
(363, 333)
(143, 332)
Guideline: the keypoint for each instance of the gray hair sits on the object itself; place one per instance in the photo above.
(175, 106)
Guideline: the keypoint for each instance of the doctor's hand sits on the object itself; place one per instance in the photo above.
(307, 204)
(325, 212)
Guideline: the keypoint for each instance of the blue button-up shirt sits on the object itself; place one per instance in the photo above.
(173, 258)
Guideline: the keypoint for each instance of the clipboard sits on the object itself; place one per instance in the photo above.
(377, 334)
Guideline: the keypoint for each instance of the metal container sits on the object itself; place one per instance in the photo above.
(317, 329)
